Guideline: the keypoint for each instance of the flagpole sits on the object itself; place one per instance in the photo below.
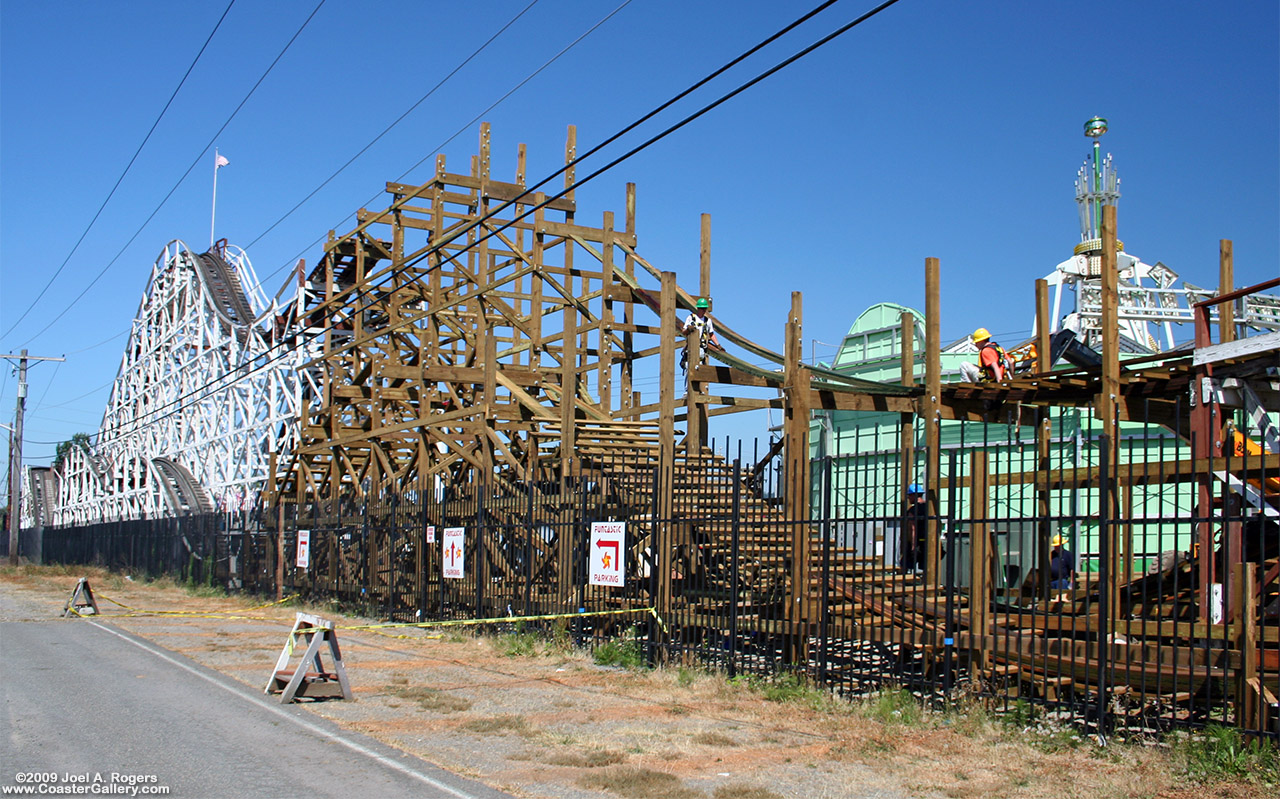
(214, 212)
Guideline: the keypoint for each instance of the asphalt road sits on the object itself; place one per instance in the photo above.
(83, 698)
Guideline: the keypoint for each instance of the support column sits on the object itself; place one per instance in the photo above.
(569, 383)
(906, 421)
(796, 435)
(1043, 325)
(931, 408)
(1108, 399)
(979, 563)
(1226, 281)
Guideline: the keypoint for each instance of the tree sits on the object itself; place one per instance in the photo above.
(80, 439)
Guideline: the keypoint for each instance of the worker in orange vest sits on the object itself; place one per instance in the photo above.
(993, 362)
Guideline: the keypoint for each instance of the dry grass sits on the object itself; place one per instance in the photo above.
(499, 725)
(432, 699)
(634, 782)
(744, 792)
(712, 738)
(592, 758)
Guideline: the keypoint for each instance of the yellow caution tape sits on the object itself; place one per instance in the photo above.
(198, 614)
(135, 612)
(505, 620)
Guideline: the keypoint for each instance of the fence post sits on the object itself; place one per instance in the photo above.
(367, 553)
(481, 569)
(424, 562)
(1106, 555)
(735, 522)
(1249, 699)
(979, 565)
(949, 631)
(824, 615)
(530, 530)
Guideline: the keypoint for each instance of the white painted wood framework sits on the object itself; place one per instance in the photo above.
(208, 388)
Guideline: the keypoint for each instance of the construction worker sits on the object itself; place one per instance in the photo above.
(912, 532)
(1062, 566)
(700, 320)
(993, 362)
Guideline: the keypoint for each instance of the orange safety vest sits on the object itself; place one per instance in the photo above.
(1002, 361)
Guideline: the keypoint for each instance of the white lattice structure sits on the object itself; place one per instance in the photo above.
(209, 386)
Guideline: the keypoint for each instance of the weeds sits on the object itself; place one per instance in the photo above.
(785, 687)
(1222, 753)
(518, 644)
(625, 653)
(894, 707)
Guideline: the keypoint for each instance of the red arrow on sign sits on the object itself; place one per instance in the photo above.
(610, 545)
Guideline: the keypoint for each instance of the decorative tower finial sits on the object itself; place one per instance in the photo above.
(1095, 188)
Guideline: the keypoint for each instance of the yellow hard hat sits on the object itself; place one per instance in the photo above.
(981, 334)
(1057, 541)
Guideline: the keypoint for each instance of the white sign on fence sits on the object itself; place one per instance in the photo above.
(304, 549)
(431, 533)
(453, 553)
(608, 554)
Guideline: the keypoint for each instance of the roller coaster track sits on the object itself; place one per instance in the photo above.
(208, 388)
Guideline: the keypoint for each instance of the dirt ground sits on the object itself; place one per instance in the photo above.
(542, 720)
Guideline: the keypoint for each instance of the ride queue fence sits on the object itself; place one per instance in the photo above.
(1149, 633)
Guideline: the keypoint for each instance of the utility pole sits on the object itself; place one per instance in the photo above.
(15, 450)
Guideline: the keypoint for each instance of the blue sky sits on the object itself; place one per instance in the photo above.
(937, 128)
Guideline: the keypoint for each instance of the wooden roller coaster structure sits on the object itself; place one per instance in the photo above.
(477, 332)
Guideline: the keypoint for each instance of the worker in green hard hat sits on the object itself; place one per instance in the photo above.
(706, 328)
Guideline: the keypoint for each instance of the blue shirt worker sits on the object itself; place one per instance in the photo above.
(1062, 566)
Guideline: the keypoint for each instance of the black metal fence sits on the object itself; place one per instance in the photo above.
(711, 566)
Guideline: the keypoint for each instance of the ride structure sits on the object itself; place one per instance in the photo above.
(208, 389)
(1150, 301)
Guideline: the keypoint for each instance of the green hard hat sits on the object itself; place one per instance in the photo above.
(702, 303)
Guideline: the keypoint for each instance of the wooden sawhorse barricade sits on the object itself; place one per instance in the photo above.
(301, 680)
(81, 602)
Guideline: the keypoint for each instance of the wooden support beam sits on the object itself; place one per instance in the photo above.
(980, 558)
(1109, 390)
(1043, 325)
(667, 367)
(568, 383)
(906, 421)
(796, 453)
(931, 406)
(1226, 285)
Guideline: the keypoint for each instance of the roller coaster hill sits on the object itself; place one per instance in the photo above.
(445, 422)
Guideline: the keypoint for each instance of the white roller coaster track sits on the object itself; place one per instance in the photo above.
(208, 387)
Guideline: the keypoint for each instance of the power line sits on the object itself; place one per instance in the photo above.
(467, 125)
(200, 155)
(398, 120)
(127, 167)
(436, 247)
(641, 120)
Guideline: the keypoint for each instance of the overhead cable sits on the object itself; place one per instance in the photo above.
(180, 180)
(127, 167)
(472, 226)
